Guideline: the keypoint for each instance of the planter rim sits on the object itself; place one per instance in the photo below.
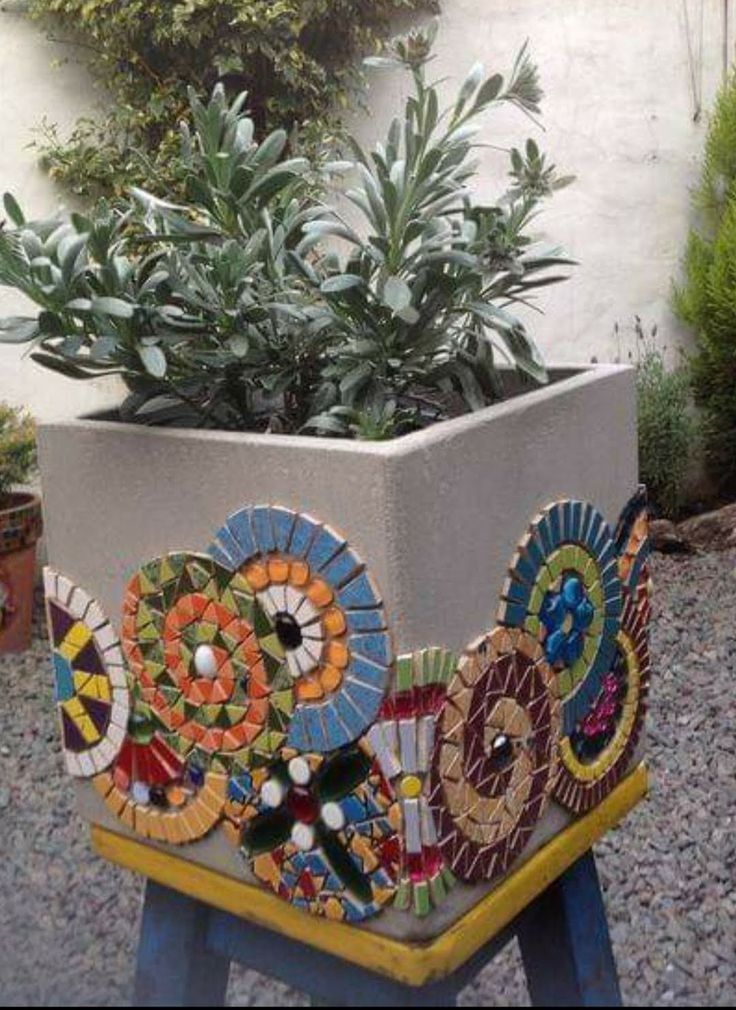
(583, 375)
(21, 524)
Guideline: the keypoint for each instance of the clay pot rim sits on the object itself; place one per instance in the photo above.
(20, 501)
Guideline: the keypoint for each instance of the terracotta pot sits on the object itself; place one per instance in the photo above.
(20, 528)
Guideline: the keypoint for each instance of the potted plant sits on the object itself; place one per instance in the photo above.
(20, 528)
(264, 570)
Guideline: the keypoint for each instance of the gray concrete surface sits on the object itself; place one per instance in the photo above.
(69, 922)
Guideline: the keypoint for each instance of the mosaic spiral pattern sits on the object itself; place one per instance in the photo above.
(563, 588)
(495, 757)
(328, 614)
(206, 658)
(91, 687)
(321, 831)
(595, 756)
(403, 740)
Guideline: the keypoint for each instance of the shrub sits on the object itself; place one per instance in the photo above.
(226, 310)
(294, 57)
(707, 298)
(17, 449)
(665, 423)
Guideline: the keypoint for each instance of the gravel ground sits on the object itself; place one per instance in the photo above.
(68, 922)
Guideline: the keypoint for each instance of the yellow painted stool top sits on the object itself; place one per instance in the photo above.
(410, 963)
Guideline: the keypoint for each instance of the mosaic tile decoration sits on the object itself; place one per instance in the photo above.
(207, 660)
(564, 588)
(595, 756)
(91, 688)
(403, 740)
(495, 757)
(327, 612)
(321, 830)
(157, 794)
(632, 540)
(261, 698)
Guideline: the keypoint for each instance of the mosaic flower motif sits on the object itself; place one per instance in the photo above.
(320, 830)
(495, 756)
(206, 658)
(597, 753)
(91, 688)
(155, 792)
(632, 544)
(326, 612)
(566, 614)
(564, 588)
(403, 741)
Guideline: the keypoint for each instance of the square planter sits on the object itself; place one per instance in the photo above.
(373, 678)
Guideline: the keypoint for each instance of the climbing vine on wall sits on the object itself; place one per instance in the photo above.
(296, 58)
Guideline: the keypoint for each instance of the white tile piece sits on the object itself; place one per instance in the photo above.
(106, 637)
(313, 649)
(308, 613)
(412, 825)
(64, 590)
(425, 741)
(408, 744)
(294, 600)
(390, 764)
(49, 581)
(429, 831)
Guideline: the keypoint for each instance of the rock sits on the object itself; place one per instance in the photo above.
(665, 537)
(714, 531)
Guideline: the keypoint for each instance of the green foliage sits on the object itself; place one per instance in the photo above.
(17, 449)
(707, 298)
(665, 424)
(226, 310)
(294, 57)
(718, 181)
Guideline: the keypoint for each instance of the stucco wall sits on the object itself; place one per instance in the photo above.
(621, 93)
(618, 114)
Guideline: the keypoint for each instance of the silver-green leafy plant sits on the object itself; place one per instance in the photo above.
(230, 310)
(422, 302)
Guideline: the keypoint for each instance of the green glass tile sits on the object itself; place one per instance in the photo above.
(402, 899)
(205, 631)
(422, 903)
(437, 889)
(533, 626)
(564, 682)
(404, 673)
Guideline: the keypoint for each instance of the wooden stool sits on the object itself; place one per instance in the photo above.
(195, 922)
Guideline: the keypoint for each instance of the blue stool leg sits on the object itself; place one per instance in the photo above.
(565, 944)
(175, 968)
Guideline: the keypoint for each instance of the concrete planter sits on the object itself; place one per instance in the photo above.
(435, 517)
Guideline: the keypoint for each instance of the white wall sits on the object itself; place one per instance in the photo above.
(618, 114)
(38, 78)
